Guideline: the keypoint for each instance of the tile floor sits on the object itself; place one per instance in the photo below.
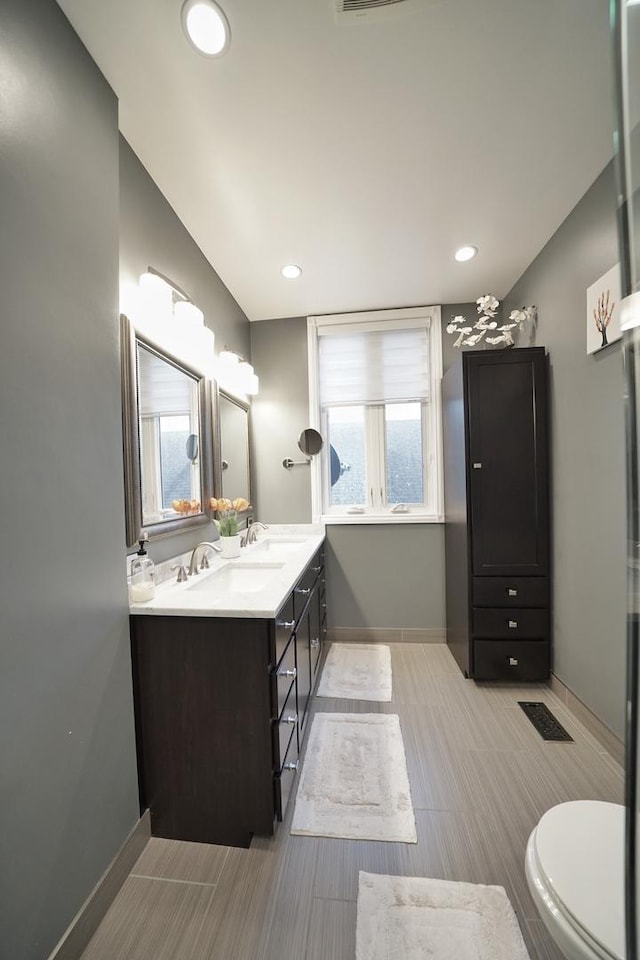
(480, 777)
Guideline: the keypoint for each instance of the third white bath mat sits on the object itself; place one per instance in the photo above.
(411, 918)
(357, 671)
(354, 781)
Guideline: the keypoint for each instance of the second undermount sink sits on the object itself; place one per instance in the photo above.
(240, 577)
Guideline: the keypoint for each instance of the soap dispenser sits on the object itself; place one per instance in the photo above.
(142, 584)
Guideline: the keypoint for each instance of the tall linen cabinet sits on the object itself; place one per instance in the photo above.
(497, 529)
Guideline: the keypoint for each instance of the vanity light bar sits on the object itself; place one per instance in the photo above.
(236, 374)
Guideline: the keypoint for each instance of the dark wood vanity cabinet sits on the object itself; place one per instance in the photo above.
(497, 513)
(220, 706)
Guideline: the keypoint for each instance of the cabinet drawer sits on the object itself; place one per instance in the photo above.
(510, 592)
(283, 782)
(519, 660)
(283, 628)
(285, 676)
(512, 624)
(283, 730)
(304, 587)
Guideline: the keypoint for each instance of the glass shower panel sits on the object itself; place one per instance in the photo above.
(626, 27)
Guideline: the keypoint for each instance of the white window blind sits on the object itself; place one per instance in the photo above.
(371, 364)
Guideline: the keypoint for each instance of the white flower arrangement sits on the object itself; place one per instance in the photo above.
(470, 335)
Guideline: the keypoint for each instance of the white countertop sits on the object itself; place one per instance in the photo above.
(254, 585)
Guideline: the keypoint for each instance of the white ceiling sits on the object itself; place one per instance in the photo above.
(364, 152)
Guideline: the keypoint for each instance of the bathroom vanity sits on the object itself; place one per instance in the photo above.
(223, 670)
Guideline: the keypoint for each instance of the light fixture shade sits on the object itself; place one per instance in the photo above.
(186, 312)
(206, 27)
(228, 359)
(156, 300)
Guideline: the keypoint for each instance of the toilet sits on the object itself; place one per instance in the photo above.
(575, 870)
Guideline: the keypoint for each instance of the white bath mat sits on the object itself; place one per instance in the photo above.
(411, 918)
(357, 671)
(354, 781)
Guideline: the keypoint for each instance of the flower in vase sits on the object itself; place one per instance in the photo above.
(227, 511)
(470, 335)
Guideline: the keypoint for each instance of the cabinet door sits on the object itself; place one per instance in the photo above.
(507, 462)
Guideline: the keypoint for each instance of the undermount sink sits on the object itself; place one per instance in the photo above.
(240, 577)
(279, 545)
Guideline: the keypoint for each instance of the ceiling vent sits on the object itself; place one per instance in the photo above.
(355, 10)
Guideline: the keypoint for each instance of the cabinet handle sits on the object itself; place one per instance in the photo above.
(303, 591)
(512, 624)
(316, 569)
(286, 673)
(292, 719)
(315, 642)
(477, 466)
(513, 662)
(290, 765)
(286, 624)
(511, 592)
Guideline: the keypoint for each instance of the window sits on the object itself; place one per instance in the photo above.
(375, 397)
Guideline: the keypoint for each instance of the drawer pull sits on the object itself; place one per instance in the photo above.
(303, 591)
(511, 592)
(513, 662)
(512, 624)
(477, 466)
(286, 624)
(290, 765)
(287, 673)
(316, 569)
(292, 719)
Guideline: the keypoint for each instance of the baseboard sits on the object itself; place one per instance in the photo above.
(88, 918)
(605, 737)
(387, 635)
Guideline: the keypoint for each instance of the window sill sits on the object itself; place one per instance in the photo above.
(372, 518)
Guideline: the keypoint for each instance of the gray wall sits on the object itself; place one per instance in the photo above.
(152, 235)
(587, 429)
(278, 415)
(67, 755)
(377, 575)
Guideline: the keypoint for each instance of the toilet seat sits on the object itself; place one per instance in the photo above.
(575, 871)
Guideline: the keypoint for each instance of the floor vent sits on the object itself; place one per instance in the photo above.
(354, 10)
(544, 721)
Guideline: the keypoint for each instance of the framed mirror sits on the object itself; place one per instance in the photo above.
(167, 424)
(235, 464)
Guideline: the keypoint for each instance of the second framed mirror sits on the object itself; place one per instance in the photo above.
(234, 468)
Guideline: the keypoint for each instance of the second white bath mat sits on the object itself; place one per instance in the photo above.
(411, 918)
(357, 671)
(354, 782)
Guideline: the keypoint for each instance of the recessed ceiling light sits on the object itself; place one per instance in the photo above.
(206, 27)
(292, 271)
(465, 253)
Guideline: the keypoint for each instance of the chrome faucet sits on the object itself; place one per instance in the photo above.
(250, 535)
(193, 565)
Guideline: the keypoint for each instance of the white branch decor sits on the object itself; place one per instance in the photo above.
(471, 334)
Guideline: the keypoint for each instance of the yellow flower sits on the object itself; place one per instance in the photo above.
(240, 504)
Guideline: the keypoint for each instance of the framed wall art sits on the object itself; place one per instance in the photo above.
(603, 310)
